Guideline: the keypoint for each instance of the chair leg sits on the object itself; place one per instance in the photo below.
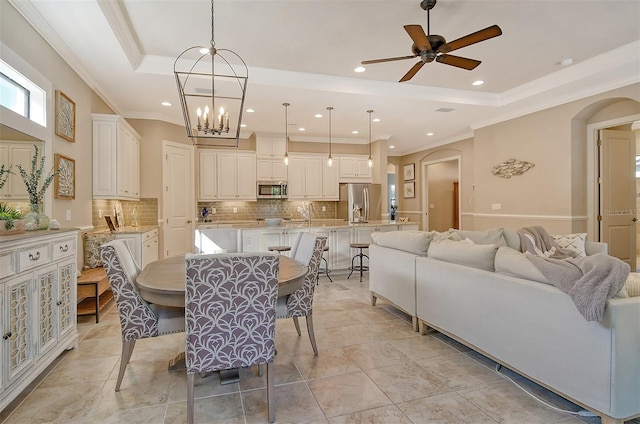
(271, 408)
(190, 400)
(297, 324)
(312, 335)
(352, 266)
(127, 351)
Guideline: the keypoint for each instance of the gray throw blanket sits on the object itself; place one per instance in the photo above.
(588, 280)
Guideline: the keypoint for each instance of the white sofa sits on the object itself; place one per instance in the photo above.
(524, 324)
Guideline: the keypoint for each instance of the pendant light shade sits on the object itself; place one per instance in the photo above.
(286, 133)
(370, 162)
(330, 158)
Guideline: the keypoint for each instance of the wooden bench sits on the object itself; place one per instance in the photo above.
(93, 286)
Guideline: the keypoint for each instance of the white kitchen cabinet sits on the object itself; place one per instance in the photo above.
(270, 147)
(305, 177)
(260, 240)
(363, 234)
(271, 170)
(355, 169)
(331, 182)
(212, 238)
(143, 245)
(16, 153)
(207, 175)
(338, 240)
(236, 175)
(116, 158)
(37, 306)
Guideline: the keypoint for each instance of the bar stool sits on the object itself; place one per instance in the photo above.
(360, 267)
(279, 249)
(326, 269)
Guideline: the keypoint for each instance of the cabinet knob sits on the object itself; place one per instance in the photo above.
(6, 336)
(34, 258)
(64, 248)
(188, 221)
(59, 302)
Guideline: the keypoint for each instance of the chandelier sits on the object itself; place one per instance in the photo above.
(211, 84)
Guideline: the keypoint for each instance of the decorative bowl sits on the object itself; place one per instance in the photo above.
(273, 222)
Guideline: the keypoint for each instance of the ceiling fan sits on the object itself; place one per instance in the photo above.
(429, 47)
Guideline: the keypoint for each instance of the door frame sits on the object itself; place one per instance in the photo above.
(593, 189)
(425, 187)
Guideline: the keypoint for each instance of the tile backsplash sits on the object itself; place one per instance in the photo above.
(268, 208)
(147, 212)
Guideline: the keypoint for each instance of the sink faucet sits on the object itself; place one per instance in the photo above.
(305, 210)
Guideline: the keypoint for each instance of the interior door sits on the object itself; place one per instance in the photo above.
(617, 194)
(178, 199)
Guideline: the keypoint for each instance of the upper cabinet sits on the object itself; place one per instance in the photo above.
(330, 181)
(207, 175)
(270, 159)
(305, 177)
(355, 169)
(13, 153)
(236, 176)
(116, 158)
(270, 147)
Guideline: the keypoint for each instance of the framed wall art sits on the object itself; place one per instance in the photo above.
(65, 181)
(65, 117)
(409, 171)
(410, 190)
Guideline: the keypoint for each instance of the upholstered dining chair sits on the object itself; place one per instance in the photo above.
(309, 250)
(230, 301)
(138, 318)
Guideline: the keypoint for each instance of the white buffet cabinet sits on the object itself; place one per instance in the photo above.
(38, 272)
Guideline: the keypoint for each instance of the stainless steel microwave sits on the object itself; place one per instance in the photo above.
(272, 190)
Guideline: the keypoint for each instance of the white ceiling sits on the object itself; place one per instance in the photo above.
(304, 52)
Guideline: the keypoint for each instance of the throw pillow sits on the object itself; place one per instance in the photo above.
(572, 241)
(480, 256)
(91, 252)
(493, 236)
(416, 242)
(514, 263)
(633, 284)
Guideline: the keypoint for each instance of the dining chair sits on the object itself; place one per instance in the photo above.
(309, 250)
(138, 318)
(230, 301)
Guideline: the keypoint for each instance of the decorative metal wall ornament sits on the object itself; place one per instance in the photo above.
(212, 99)
(511, 167)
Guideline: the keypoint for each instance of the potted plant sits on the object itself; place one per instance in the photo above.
(36, 191)
(11, 221)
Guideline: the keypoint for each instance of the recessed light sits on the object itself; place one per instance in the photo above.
(243, 125)
(478, 82)
(392, 147)
(376, 119)
(354, 132)
(429, 134)
(318, 115)
(249, 110)
(566, 62)
(360, 69)
(302, 129)
(165, 104)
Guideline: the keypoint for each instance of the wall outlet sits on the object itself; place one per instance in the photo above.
(432, 206)
(324, 209)
(68, 215)
(99, 213)
(213, 210)
(235, 210)
(496, 206)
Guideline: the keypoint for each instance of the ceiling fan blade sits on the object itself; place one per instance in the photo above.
(467, 40)
(389, 59)
(418, 36)
(414, 70)
(460, 62)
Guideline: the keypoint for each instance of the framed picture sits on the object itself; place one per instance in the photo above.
(410, 190)
(409, 172)
(65, 117)
(65, 181)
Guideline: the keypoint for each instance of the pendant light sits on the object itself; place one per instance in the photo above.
(330, 159)
(370, 158)
(286, 133)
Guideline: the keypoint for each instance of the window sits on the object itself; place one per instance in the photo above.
(21, 95)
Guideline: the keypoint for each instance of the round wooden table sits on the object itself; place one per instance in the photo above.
(163, 281)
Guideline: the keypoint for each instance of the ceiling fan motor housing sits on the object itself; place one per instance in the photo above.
(435, 40)
(427, 4)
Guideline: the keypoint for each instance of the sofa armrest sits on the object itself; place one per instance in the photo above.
(593, 247)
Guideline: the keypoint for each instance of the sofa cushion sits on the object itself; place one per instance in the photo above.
(91, 244)
(632, 285)
(492, 236)
(572, 241)
(416, 242)
(514, 263)
(480, 256)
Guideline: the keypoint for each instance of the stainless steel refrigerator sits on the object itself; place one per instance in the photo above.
(360, 199)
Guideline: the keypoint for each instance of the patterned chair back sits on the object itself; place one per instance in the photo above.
(137, 320)
(230, 301)
(300, 303)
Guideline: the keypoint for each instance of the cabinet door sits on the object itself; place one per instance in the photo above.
(331, 182)
(264, 147)
(227, 176)
(296, 178)
(18, 339)
(341, 248)
(149, 251)
(207, 178)
(105, 159)
(347, 167)
(264, 170)
(124, 163)
(250, 240)
(278, 147)
(45, 280)
(19, 154)
(246, 177)
(66, 287)
(135, 168)
(134, 244)
(313, 178)
(362, 168)
(279, 171)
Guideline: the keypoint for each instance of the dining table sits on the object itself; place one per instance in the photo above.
(163, 282)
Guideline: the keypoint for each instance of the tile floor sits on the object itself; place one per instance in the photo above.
(372, 368)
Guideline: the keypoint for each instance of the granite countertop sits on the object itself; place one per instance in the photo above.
(129, 230)
(257, 225)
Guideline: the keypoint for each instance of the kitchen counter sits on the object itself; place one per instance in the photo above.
(324, 223)
(129, 230)
(31, 234)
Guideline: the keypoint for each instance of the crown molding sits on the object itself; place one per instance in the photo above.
(117, 18)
